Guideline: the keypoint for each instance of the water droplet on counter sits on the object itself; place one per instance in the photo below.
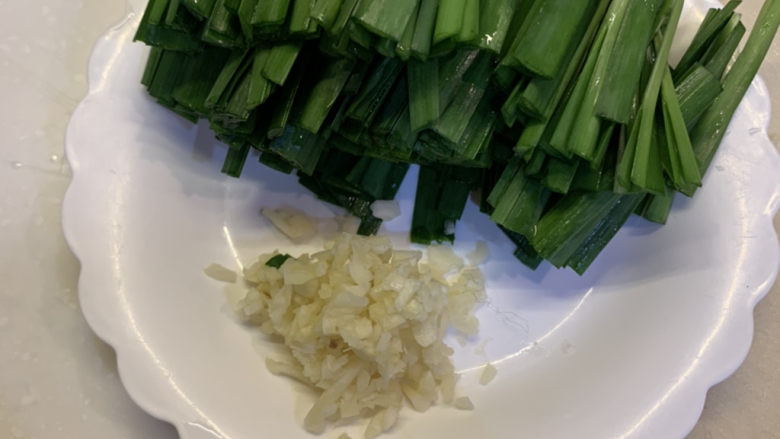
(16, 165)
(29, 399)
(535, 349)
(54, 158)
(567, 348)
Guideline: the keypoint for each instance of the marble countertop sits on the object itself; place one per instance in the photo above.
(57, 379)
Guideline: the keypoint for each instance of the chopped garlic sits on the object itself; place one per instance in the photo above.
(365, 324)
(488, 374)
(442, 261)
(221, 273)
(381, 422)
(292, 222)
(447, 388)
(386, 210)
(463, 403)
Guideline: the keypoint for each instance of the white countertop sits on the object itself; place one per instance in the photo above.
(57, 380)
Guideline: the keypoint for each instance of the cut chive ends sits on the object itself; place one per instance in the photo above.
(564, 115)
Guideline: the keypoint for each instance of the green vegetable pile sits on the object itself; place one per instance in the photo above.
(563, 115)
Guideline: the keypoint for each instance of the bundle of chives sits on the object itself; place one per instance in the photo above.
(565, 114)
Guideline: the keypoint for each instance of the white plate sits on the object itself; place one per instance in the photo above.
(628, 350)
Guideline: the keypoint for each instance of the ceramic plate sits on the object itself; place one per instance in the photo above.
(626, 351)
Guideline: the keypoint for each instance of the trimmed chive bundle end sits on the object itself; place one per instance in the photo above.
(565, 115)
